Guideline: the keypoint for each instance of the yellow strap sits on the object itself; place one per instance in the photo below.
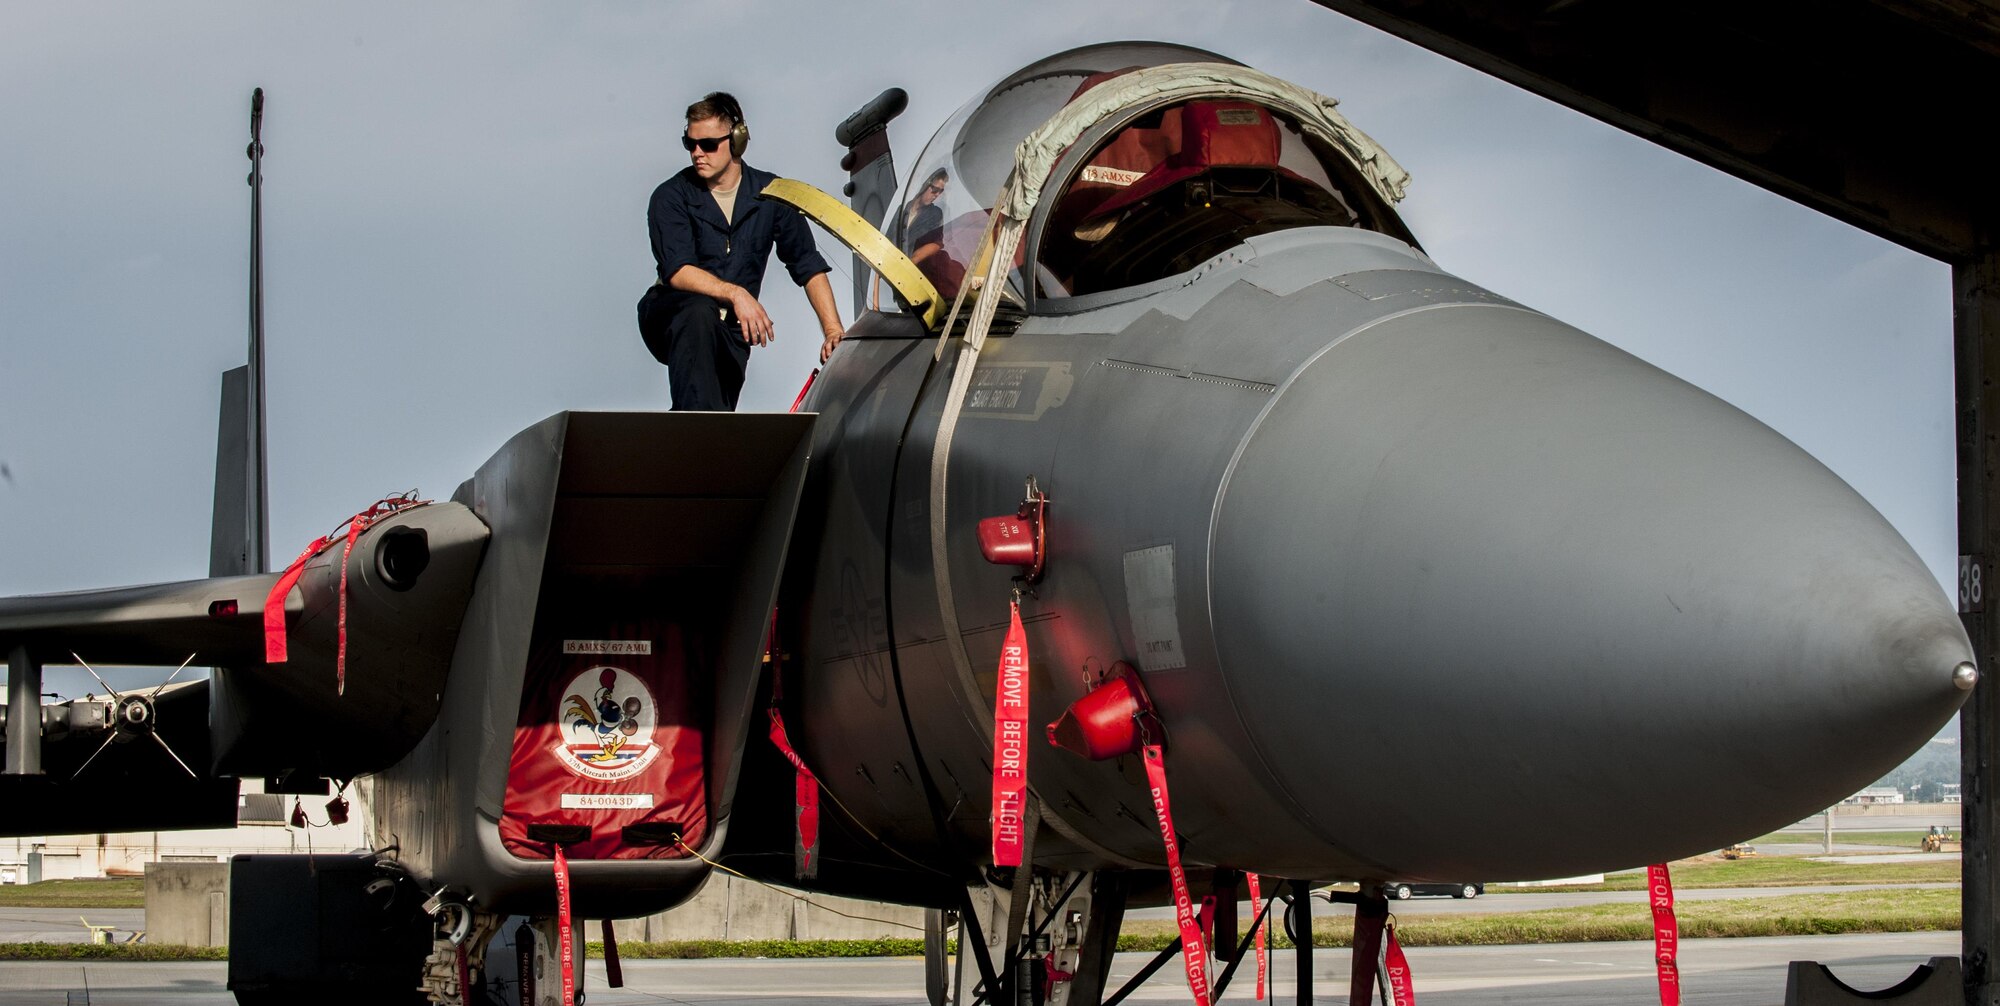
(860, 236)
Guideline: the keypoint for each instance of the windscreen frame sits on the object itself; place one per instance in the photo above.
(952, 134)
(1340, 171)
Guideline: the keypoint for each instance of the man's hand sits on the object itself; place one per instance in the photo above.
(757, 327)
(820, 293)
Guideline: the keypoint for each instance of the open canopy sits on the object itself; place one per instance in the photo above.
(1313, 113)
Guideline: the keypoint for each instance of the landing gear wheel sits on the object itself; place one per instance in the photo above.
(1468, 891)
(1402, 892)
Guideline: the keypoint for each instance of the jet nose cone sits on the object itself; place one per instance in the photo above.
(1500, 600)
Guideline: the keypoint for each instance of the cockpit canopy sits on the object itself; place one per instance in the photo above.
(1167, 188)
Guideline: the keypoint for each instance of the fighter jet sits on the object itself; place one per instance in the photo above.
(1162, 443)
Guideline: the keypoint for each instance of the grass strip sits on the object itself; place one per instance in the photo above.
(100, 892)
(108, 952)
(777, 949)
(1902, 911)
(1772, 871)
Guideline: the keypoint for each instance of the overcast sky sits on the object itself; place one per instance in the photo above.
(455, 238)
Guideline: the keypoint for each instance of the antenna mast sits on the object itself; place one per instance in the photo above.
(258, 503)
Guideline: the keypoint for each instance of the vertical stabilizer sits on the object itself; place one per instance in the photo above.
(238, 541)
(229, 552)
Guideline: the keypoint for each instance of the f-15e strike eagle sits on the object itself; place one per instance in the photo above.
(1396, 576)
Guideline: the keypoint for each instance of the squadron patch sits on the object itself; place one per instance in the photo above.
(608, 716)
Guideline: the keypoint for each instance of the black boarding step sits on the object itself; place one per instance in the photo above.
(654, 833)
(559, 834)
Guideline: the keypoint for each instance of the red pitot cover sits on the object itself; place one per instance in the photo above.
(609, 737)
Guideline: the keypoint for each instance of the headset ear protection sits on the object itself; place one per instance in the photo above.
(739, 131)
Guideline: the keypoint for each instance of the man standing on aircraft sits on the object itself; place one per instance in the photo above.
(712, 235)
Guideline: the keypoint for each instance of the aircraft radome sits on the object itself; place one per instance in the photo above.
(1401, 578)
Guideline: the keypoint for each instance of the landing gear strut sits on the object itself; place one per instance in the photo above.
(1069, 930)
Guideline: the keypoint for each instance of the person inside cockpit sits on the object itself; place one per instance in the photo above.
(923, 219)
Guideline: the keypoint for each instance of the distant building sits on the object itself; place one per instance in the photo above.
(1874, 795)
(1949, 791)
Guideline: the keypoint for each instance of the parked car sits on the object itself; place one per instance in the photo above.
(1405, 890)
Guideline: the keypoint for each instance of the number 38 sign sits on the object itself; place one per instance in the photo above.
(1971, 597)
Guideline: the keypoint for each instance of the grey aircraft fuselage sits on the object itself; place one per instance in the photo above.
(1403, 563)
(1417, 577)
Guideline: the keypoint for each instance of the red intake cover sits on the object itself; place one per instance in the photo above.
(610, 736)
(1104, 723)
(1007, 541)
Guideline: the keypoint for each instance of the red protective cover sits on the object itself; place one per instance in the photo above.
(611, 734)
(1007, 541)
(1213, 134)
(1227, 133)
(1104, 722)
(1131, 155)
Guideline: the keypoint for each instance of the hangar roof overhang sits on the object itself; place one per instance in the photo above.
(1872, 111)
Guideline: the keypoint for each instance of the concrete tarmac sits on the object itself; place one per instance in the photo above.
(65, 925)
(1741, 972)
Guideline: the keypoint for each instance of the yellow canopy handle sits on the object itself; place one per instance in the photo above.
(861, 237)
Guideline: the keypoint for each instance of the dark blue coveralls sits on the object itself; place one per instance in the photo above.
(705, 354)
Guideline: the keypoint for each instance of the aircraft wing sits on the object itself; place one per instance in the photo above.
(386, 609)
(217, 620)
(85, 772)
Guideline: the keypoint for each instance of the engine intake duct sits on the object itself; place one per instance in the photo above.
(408, 580)
(604, 689)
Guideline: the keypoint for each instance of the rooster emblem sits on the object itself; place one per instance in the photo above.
(604, 717)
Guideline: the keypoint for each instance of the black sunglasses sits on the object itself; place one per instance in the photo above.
(708, 145)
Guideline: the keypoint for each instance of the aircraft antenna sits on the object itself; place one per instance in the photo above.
(258, 501)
